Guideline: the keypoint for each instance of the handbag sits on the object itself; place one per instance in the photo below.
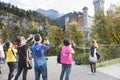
(98, 55)
(77, 62)
(92, 59)
(29, 63)
(40, 61)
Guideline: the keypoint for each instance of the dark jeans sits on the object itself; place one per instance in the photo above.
(24, 75)
(12, 67)
(39, 71)
(65, 68)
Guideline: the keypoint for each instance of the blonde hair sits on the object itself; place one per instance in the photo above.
(94, 43)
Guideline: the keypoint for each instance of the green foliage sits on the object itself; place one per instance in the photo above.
(107, 28)
(56, 36)
(10, 33)
(109, 52)
(84, 58)
(53, 51)
(76, 35)
(82, 55)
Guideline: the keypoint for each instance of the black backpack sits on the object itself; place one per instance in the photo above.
(59, 57)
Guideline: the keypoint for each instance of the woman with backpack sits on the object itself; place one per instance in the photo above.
(66, 59)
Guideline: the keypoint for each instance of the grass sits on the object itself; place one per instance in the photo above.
(109, 62)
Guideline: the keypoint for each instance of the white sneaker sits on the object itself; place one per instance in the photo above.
(90, 73)
(94, 73)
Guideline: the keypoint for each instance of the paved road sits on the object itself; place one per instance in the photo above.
(78, 72)
(113, 70)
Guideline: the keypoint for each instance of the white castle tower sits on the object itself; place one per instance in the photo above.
(98, 5)
(85, 17)
(66, 23)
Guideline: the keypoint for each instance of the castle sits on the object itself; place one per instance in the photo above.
(85, 22)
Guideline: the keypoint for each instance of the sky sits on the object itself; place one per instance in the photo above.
(62, 6)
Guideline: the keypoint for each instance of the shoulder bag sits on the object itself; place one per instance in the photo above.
(29, 63)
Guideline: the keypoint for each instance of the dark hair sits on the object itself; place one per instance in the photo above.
(18, 40)
(37, 37)
(6, 46)
(66, 42)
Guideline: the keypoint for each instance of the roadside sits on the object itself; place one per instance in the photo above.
(111, 67)
(109, 62)
(79, 72)
(112, 70)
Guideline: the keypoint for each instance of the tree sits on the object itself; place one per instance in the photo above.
(107, 28)
(114, 26)
(56, 35)
(75, 34)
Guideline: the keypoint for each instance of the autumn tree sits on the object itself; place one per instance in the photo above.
(56, 35)
(107, 27)
(75, 34)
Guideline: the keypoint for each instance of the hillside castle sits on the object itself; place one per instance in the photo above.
(85, 22)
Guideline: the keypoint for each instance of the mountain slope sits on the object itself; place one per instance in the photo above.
(51, 13)
(61, 20)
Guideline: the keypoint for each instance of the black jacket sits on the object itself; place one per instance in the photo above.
(92, 51)
(22, 52)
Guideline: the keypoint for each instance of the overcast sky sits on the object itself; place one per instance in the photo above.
(62, 6)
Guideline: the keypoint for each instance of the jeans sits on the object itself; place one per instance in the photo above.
(12, 67)
(20, 69)
(39, 71)
(65, 68)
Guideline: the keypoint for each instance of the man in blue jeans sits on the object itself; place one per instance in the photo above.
(38, 50)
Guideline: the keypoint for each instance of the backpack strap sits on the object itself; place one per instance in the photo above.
(14, 54)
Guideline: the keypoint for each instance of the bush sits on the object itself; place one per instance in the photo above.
(106, 52)
(109, 52)
(53, 51)
(82, 55)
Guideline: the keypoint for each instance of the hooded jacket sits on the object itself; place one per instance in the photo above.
(38, 50)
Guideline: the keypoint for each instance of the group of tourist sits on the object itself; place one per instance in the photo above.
(17, 56)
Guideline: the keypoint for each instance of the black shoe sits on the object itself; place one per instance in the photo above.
(0, 72)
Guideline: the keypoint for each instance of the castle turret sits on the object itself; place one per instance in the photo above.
(85, 17)
(98, 5)
(66, 23)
